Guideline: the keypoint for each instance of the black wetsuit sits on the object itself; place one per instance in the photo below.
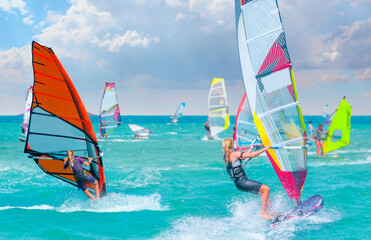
(207, 129)
(235, 170)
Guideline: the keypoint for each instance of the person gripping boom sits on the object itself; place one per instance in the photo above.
(80, 174)
(233, 162)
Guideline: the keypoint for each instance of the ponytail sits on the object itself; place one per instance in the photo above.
(228, 149)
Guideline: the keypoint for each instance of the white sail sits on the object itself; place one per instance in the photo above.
(178, 113)
(271, 92)
(139, 131)
(26, 115)
(218, 107)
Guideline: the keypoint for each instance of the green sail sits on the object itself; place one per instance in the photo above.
(339, 130)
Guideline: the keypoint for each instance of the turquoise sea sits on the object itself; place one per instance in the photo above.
(174, 186)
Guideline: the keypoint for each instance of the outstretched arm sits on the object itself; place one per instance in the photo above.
(248, 154)
(88, 162)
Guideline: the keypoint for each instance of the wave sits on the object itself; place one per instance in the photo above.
(113, 202)
(244, 222)
(342, 162)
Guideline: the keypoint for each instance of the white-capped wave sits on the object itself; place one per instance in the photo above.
(111, 203)
(242, 222)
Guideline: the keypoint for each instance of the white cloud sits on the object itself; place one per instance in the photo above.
(331, 77)
(83, 23)
(367, 95)
(180, 16)
(10, 6)
(15, 65)
(131, 38)
(363, 75)
(346, 47)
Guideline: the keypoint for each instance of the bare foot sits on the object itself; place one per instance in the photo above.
(265, 215)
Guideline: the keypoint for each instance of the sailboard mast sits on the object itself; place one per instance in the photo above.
(109, 114)
(271, 91)
(59, 121)
(218, 113)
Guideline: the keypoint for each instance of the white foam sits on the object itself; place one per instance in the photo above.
(111, 203)
(243, 222)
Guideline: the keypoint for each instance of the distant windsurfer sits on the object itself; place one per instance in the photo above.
(311, 130)
(80, 174)
(207, 128)
(318, 139)
(233, 161)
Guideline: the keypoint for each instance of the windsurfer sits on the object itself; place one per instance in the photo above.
(318, 139)
(233, 161)
(311, 128)
(207, 127)
(80, 174)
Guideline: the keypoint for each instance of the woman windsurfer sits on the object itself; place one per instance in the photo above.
(233, 161)
(318, 139)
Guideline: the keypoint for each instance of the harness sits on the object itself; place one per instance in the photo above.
(235, 169)
(81, 174)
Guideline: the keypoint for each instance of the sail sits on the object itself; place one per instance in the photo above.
(27, 109)
(339, 130)
(109, 114)
(59, 121)
(271, 92)
(178, 114)
(218, 107)
(245, 131)
(139, 131)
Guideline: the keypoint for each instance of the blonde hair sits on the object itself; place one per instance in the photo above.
(70, 156)
(228, 149)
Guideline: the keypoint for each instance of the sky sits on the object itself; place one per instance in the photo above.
(162, 52)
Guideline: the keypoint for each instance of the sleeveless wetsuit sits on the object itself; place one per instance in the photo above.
(235, 170)
(80, 174)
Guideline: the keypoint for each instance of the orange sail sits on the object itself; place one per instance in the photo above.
(59, 121)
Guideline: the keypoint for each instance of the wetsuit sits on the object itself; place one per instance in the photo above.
(235, 170)
(80, 174)
(207, 129)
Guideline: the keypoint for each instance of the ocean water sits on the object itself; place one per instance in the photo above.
(174, 186)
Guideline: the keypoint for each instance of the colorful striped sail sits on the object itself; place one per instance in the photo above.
(59, 121)
(178, 113)
(218, 107)
(109, 114)
(338, 128)
(271, 92)
(245, 131)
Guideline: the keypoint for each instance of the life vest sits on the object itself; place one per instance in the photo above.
(81, 174)
(235, 169)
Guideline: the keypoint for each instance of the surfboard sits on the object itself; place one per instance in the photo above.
(307, 208)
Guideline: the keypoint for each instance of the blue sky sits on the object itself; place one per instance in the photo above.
(162, 52)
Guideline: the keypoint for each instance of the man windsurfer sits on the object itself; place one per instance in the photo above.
(233, 162)
(318, 139)
(207, 127)
(80, 174)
